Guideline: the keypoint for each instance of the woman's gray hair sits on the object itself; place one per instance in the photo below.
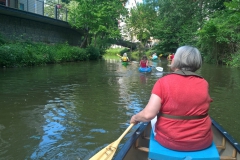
(187, 58)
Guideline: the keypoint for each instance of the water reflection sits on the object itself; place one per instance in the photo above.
(60, 120)
(143, 78)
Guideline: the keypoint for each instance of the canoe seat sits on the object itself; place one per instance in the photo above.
(158, 152)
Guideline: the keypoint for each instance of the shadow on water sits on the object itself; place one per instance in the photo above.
(71, 111)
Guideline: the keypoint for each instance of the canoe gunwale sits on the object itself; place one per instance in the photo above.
(225, 134)
(128, 144)
(125, 148)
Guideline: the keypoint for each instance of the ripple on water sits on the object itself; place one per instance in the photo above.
(98, 130)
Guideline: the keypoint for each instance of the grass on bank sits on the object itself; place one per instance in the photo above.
(29, 54)
(111, 53)
(20, 54)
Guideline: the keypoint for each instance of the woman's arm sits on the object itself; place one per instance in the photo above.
(149, 112)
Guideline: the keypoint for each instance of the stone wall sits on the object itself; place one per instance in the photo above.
(25, 26)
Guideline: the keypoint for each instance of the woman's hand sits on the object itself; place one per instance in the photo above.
(149, 112)
(133, 120)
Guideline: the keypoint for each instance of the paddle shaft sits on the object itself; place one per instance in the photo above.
(112, 149)
(125, 132)
(108, 152)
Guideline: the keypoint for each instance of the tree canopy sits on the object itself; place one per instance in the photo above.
(212, 26)
(98, 19)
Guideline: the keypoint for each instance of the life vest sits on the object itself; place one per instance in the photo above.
(154, 57)
(124, 59)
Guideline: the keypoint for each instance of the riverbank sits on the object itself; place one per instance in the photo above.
(20, 54)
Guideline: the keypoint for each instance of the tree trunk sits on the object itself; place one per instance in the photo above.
(84, 42)
(95, 40)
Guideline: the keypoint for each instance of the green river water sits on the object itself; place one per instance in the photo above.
(72, 110)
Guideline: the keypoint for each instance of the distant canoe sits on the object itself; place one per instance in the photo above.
(137, 145)
(125, 63)
(147, 69)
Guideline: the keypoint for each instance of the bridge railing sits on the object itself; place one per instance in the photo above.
(49, 8)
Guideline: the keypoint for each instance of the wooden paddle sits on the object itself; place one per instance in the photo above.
(108, 152)
(160, 69)
(119, 55)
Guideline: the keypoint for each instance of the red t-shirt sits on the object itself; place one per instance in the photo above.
(143, 64)
(183, 96)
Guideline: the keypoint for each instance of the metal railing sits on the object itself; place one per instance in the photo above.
(52, 9)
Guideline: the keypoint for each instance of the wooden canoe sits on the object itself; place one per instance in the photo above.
(136, 147)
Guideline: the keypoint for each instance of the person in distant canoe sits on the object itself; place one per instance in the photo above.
(124, 58)
(170, 57)
(144, 62)
(154, 56)
(179, 104)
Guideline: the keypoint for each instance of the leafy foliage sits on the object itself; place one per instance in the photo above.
(2, 40)
(139, 21)
(97, 19)
(219, 38)
(178, 22)
(212, 26)
(31, 54)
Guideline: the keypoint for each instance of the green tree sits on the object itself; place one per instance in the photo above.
(177, 23)
(98, 19)
(140, 21)
(219, 39)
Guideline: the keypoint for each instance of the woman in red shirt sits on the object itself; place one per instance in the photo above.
(181, 101)
(144, 62)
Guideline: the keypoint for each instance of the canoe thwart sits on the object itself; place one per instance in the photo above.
(233, 157)
(227, 158)
(144, 149)
(223, 146)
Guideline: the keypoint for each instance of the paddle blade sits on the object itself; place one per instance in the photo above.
(159, 69)
(106, 153)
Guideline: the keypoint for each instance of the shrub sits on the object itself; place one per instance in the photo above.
(93, 53)
(30, 54)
